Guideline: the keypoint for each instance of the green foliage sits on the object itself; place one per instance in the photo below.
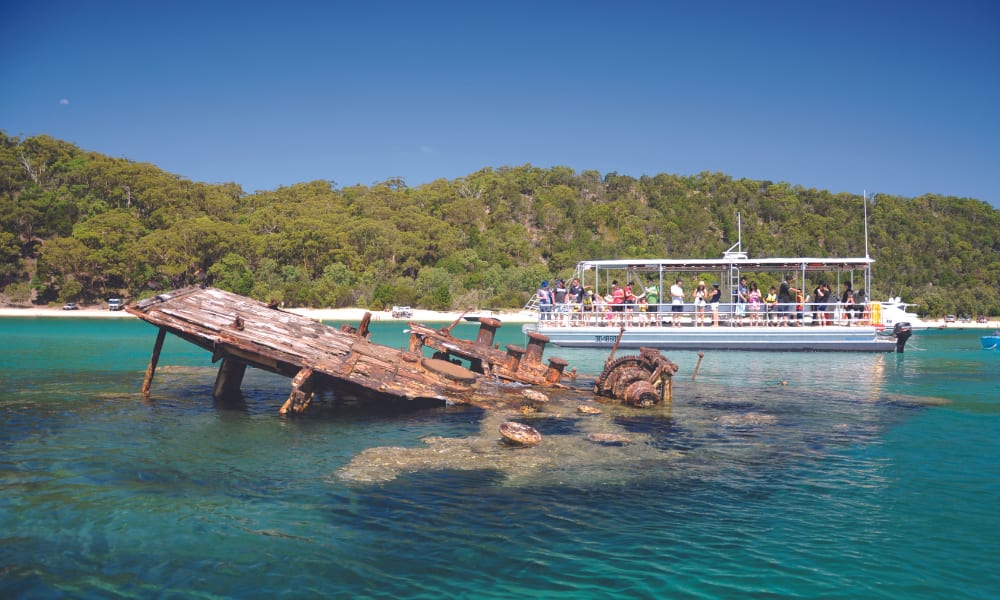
(82, 226)
(232, 273)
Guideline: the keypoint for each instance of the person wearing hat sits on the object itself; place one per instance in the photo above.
(713, 300)
(544, 302)
(700, 300)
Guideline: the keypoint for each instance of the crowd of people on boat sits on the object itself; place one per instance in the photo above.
(635, 304)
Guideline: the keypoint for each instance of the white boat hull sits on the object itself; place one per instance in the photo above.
(764, 338)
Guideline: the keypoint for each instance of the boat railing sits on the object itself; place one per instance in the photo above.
(727, 314)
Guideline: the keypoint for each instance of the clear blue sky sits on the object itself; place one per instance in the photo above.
(889, 97)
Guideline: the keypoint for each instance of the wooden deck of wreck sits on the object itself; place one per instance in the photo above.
(243, 332)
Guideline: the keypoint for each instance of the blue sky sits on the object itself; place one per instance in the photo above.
(890, 97)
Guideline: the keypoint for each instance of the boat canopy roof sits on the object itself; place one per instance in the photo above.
(737, 261)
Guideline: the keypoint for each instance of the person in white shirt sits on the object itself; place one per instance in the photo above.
(677, 301)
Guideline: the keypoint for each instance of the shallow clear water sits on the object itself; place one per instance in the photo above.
(771, 475)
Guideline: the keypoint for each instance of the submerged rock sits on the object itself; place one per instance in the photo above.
(610, 439)
(746, 419)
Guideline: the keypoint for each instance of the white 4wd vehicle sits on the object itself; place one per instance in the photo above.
(115, 304)
(402, 312)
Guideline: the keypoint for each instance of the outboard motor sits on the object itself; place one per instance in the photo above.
(902, 331)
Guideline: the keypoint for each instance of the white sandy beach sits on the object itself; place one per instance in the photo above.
(319, 314)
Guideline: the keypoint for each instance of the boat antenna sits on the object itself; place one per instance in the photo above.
(865, 202)
(739, 238)
(739, 231)
(868, 270)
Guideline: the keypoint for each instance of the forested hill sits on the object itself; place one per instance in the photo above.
(80, 226)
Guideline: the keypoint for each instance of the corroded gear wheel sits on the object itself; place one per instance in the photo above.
(605, 381)
(636, 379)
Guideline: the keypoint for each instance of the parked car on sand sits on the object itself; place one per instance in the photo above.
(70, 306)
(402, 312)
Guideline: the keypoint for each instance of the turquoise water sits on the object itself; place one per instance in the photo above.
(783, 476)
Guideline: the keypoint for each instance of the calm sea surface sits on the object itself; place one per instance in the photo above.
(819, 475)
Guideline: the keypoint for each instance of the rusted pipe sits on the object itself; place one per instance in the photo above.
(701, 355)
(611, 357)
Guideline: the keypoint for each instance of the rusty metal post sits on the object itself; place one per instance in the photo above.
(536, 346)
(487, 331)
(555, 371)
(416, 342)
(155, 358)
(514, 355)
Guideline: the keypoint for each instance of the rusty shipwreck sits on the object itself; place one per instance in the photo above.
(242, 332)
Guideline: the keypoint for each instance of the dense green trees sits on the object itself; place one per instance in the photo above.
(80, 226)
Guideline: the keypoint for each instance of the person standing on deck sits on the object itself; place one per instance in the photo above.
(559, 296)
(713, 301)
(700, 300)
(755, 300)
(653, 303)
(860, 307)
(821, 298)
(575, 299)
(677, 302)
(618, 301)
(544, 296)
(739, 302)
(785, 298)
(770, 305)
(575, 292)
(847, 302)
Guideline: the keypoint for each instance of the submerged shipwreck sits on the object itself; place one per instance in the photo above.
(242, 332)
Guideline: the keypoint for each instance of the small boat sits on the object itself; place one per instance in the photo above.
(991, 342)
(894, 310)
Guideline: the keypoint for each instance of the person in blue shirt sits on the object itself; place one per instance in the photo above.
(544, 296)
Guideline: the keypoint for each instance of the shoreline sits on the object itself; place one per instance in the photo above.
(319, 314)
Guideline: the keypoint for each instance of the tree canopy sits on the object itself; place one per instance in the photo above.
(81, 226)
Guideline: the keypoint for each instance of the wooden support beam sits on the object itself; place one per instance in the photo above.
(229, 379)
(155, 358)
